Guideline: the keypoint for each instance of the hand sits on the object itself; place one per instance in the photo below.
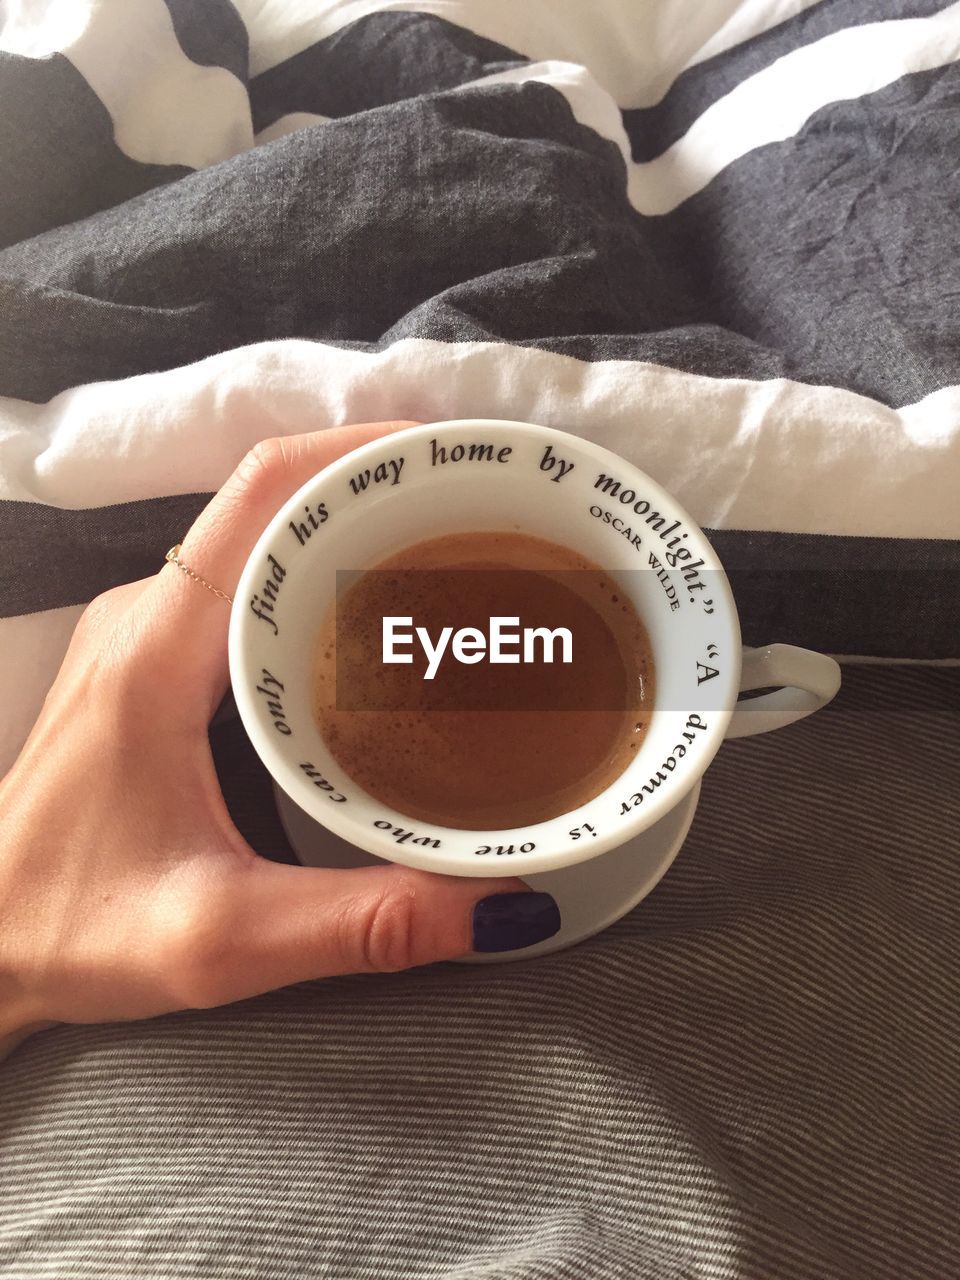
(125, 889)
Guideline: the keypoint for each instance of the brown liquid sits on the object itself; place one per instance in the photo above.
(484, 746)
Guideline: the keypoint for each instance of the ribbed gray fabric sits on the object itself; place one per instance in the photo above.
(753, 1076)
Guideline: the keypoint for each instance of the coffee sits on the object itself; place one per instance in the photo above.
(520, 685)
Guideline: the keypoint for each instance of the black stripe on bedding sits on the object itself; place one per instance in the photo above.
(518, 229)
(57, 154)
(53, 557)
(856, 285)
(54, 338)
(212, 34)
(652, 129)
(878, 597)
(378, 59)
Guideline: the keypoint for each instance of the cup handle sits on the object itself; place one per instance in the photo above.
(808, 681)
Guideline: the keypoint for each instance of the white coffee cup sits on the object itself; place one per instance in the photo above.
(481, 474)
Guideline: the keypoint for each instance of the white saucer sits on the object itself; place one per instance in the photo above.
(591, 895)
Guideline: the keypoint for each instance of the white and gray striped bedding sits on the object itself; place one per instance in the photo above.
(718, 238)
(751, 1077)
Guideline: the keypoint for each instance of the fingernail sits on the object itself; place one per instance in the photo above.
(509, 921)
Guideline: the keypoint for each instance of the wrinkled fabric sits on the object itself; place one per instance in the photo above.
(717, 239)
(752, 1075)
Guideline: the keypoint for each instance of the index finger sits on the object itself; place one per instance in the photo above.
(187, 622)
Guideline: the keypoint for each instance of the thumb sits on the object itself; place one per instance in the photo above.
(279, 924)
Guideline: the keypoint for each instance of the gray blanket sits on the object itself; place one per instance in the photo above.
(753, 1076)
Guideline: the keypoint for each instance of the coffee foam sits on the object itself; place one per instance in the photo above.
(436, 750)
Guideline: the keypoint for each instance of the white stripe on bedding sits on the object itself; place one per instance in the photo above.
(634, 50)
(165, 108)
(739, 454)
(289, 124)
(776, 102)
(169, 110)
(770, 106)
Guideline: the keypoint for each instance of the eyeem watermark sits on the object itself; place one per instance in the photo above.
(506, 643)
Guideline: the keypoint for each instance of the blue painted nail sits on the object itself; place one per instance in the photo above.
(509, 921)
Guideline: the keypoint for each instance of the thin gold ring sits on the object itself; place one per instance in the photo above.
(173, 557)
